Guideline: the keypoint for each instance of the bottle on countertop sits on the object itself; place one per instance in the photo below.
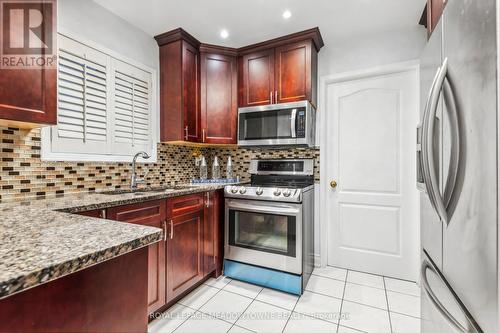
(216, 169)
(229, 168)
(203, 168)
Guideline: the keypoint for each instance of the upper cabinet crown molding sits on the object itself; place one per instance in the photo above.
(314, 34)
(223, 50)
(175, 35)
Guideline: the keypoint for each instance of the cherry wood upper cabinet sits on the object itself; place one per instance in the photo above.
(294, 72)
(28, 97)
(153, 214)
(202, 85)
(280, 70)
(256, 86)
(180, 118)
(432, 14)
(219, 97)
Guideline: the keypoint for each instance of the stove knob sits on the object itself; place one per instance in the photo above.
(234, 190)
(243, 190)
(259, 191)
(277, 192)
(287, 193)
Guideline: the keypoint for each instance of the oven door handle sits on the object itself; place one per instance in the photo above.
(287, 210)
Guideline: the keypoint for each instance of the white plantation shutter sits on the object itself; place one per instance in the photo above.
(83, 84)
(132, 107)
(104, 106)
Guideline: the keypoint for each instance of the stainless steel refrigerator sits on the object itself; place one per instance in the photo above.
(458, 168)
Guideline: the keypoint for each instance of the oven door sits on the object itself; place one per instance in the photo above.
(263, 233)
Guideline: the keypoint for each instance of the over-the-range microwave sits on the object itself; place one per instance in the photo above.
(277, 125)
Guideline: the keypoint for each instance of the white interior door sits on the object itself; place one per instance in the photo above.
(370, 152)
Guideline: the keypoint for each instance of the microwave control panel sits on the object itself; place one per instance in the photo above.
(301, 124)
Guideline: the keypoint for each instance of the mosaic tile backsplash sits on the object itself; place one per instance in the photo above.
(24, 175)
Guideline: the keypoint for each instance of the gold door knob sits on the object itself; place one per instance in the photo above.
(333, 184)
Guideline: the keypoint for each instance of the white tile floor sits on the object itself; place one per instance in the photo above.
(335, 301)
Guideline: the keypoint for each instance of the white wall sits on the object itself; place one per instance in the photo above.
(371, 50)
(359, 53)
(95, 23)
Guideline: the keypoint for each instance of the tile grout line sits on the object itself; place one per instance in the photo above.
(387, 301)
(342, 301)
(243, 312)
(196, 310)
(291, 313)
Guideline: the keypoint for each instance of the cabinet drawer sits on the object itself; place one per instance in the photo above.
(144, 213)
(184, 205)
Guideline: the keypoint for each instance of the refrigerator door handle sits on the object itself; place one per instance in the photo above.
(455, 153)
(473, 327)
(429, 165)
(423, 153)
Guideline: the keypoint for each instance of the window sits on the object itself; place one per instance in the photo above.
(106, 109)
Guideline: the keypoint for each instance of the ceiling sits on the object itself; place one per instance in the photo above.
(253, 21)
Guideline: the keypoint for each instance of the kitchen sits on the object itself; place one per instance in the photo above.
(160, 166)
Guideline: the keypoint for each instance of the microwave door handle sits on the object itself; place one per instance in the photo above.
(293, 121)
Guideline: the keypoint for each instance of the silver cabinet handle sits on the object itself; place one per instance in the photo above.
(429, 165)
(171, 229)
(165, 230)
(207, 199)
(103, 213)
(293, 119)
(271, 97)
(186, 133)
(472, 327)
(276, 96)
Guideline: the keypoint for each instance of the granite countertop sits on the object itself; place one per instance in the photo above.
(43, 240)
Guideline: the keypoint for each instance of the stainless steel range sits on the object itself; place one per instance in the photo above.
(269, 225)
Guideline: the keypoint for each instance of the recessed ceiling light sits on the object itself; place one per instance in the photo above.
(287, 14)
(224, 33)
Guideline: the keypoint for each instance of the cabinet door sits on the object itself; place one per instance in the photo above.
(152, 213)
(293, 72)
(219, 101)
(256, 78)
(28, 96)
(434, 12)
(184, 253)
(190, 92)
(212, 233)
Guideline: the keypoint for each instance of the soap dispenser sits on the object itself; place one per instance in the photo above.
(216, 169)
(229, 168)
(203, 168)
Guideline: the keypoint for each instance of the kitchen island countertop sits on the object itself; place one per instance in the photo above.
(42, 240)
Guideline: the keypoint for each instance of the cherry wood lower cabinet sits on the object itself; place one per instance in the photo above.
(184, 243)
(108, 297)
(153, 214)
(213, 237)
(192, 248)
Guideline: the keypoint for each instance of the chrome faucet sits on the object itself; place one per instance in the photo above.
(133, 178)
